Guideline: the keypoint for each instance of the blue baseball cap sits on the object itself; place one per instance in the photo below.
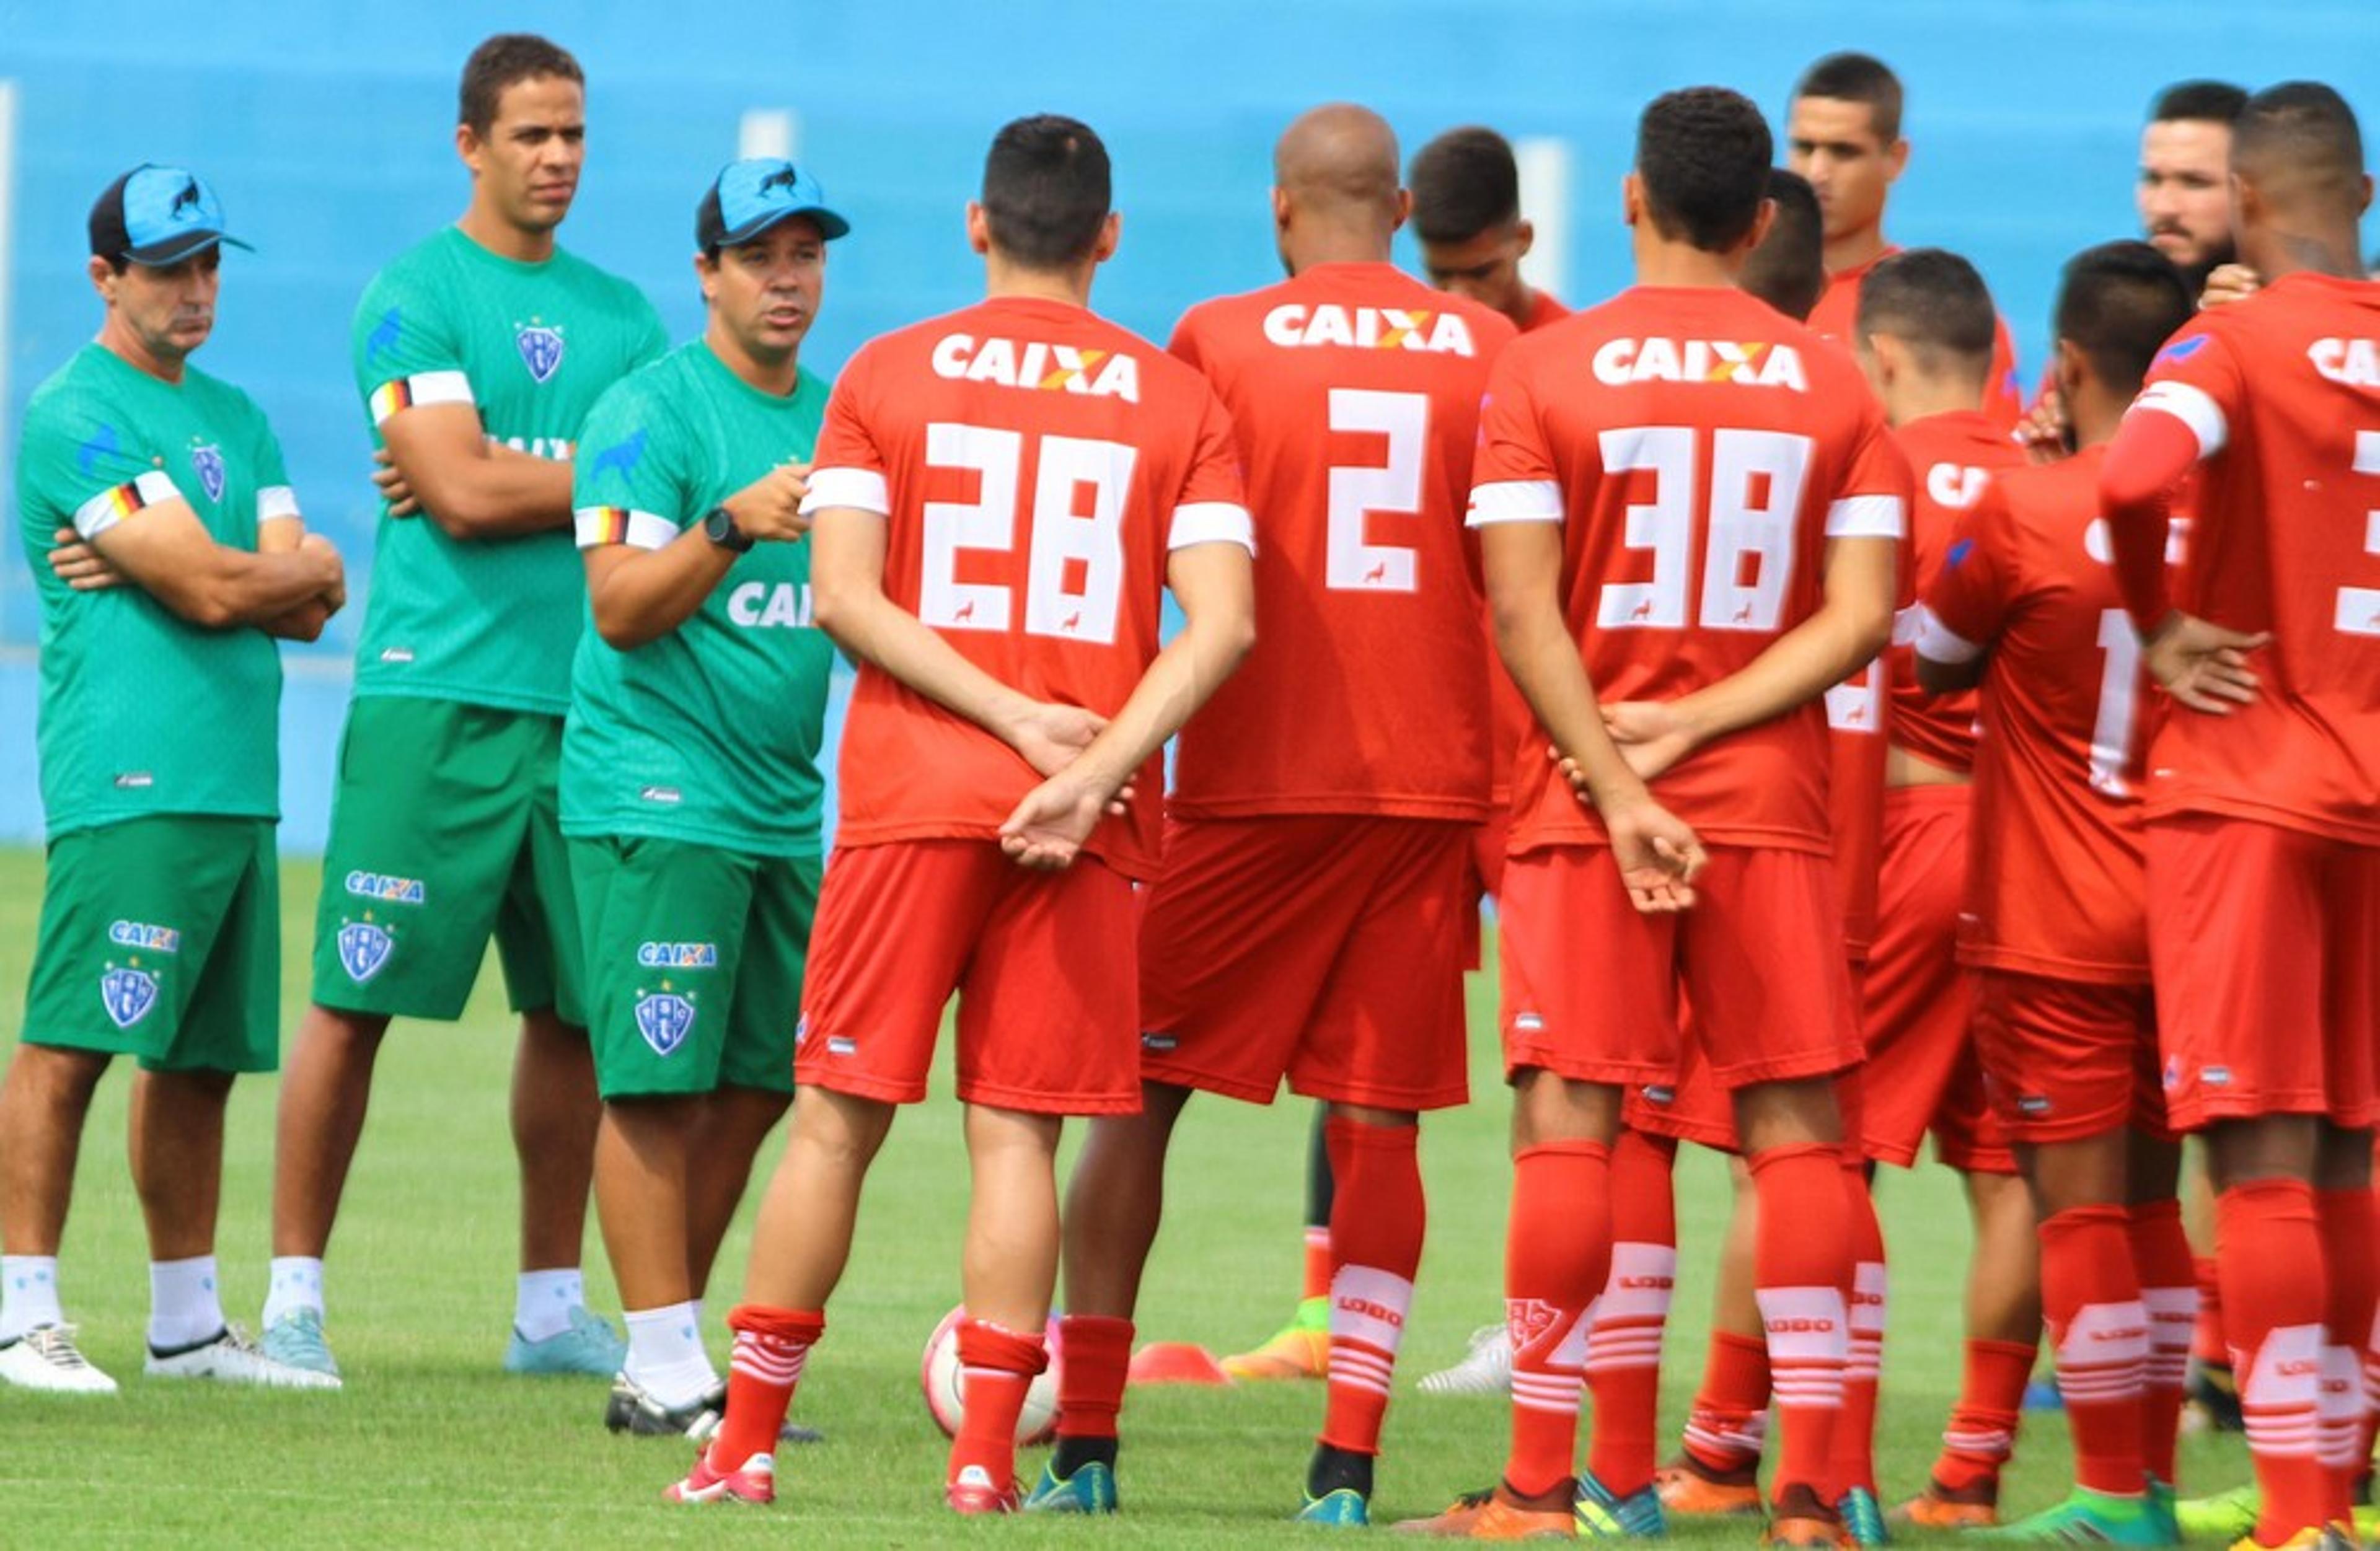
(750, 196)
(157, 215)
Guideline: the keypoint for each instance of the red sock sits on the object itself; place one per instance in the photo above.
(2371, 1377)
(1864, 1369)
(1729, 1420)
(2274, 1297)
(1317, 1283)
(2161, 1258)
(771, 1347)
(2099, 1333)
(1557, 1255)
(2345, 1219)
(1623, 1345)
(1376, 1218)
(996, 1367)
(1094, 1356)
(1981, 1434)
(1801, 1265)
(2206, 1341)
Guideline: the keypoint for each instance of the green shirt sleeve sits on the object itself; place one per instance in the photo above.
(631, 483)
(77, 468)
(406, 351)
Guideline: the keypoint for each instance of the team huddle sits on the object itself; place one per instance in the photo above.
(1853, 753)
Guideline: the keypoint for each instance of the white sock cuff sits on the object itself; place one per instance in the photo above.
(29, 1293)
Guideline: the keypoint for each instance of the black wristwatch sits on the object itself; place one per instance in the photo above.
(720, 529)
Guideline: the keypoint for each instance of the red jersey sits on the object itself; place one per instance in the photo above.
(1354, 392)
(2282, 393)
(1855, 777)
(1510, 720)
(2055, 885)
(1838, 312)
(1035, 465)
(1699, 448)
(1949, 458)
(1543, 309)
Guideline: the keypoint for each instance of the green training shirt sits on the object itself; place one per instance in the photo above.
(712, 733)
(487, 621)
(142, 712)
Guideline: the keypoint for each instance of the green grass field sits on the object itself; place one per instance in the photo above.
(429, 1445)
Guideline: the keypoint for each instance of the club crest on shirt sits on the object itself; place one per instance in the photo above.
(209, 462)
(364, 950)
(540, 348)
(665, 1018)
(127, 994)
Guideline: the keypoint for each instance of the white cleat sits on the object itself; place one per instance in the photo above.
(232, 1358)
(1486, 1369)
(45, 1358)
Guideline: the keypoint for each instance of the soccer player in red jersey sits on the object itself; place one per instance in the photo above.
(1466, 213)
(1308, 923)
(2184, 191)
(2263, 798)
(999, 498)
(1844, 134)
(2055, 907)
(1691, 506)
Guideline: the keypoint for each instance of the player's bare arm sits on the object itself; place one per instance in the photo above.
(1215, 584)
(78, 566)
(166, 552)
(640, 595)
(471, 486)
(304, 623)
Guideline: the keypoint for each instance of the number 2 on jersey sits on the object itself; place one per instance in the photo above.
(1749, 511)
(1350, 561)
(1074, 575)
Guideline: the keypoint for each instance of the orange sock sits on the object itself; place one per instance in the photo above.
(1094, 1356)
(2091, 1303)
(2169, 1293)
(1317, 1280)
(1623, 1344)
(2345, 1219)
(1863, 1367)
(1981, 1434)
(1557, 1255)
(771, 1348)
(2206, 1341)
(996, 1367)
(1730, 1420)
(1801, 1263)
(1377, 1221)
(2274, 1297)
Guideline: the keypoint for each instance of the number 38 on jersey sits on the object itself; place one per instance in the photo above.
(1748, 511)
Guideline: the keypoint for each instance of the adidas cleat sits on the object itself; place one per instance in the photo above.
(46, 1358)
(1091, 1489)
(2088, 1518)
(753, 1482)
(2225, 1516)
(1941, 1508)
(1597, 1514)
(1486, 1368)
(633, 1410)
(973, 1494)
(1497, 1514)
(294, 1341)
(1299, 1350)
(586, 1345)
(1863, 1517)
(2325, 1538)
(229, 1357)
(1693, 1490)
(1344, 1509)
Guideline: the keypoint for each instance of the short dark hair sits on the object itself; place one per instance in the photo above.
(1788, 270)
(2195, 101)
(1046, 191)
(505, 60)
(2302, 134)
(1857, 78)
(1702, 155)
(2119, 303)
(1465, 182)
(1936, 302)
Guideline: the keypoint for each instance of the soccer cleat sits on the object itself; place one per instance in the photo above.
(2043, 1394)
(973, 1494)
(630, 1409)
(294, 1341)
(230, 1357)
(2325, 1538)
(1486, 1368)
(1091, 1489)
(1802, 1535)
(1863, 1517)
(1691, 1490)
(2088, 1518)
(586, 1345)
(1938, 1507)
(2223, 1516)
(1598, 1515)
(46, 1358)
(754, 1481)
(2213, 1397)
(1497, 1514)
(1299, 1350)
(1344, 1509)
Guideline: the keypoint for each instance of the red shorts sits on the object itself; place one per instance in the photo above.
(1592, 987)
(2264, 942)
(1042, 963)
(1696, 1108)
(1488, 841)
(2065, 1060)
(1923, 1074)
(1325, 949)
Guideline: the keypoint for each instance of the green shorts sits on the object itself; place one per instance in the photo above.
(160, 940)
(445, 828)
(695, 959)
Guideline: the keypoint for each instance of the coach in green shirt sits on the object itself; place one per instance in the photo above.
(690, 782)
(161, 693)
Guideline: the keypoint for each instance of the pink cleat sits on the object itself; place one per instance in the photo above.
(754, 1481)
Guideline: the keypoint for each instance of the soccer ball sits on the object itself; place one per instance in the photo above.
(945, 1387)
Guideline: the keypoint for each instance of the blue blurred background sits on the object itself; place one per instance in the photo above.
(328, 131)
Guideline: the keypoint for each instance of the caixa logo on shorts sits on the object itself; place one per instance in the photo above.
(127, 994)
(364, 950)
(665, 1018)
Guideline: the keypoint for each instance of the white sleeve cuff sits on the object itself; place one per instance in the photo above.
(109, 507)
(1211, 522)
(276, 500)
(2195, 407)
(862, 488)
(1867, 516)
(1514, 501)
(1907, 625)
(1939, 643)
(619, 525)
(422, 388)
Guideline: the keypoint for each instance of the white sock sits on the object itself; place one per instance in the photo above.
(665, 1355)
(296, 1283)
(542, 1308)
(29, 1293)
(184, 1306)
